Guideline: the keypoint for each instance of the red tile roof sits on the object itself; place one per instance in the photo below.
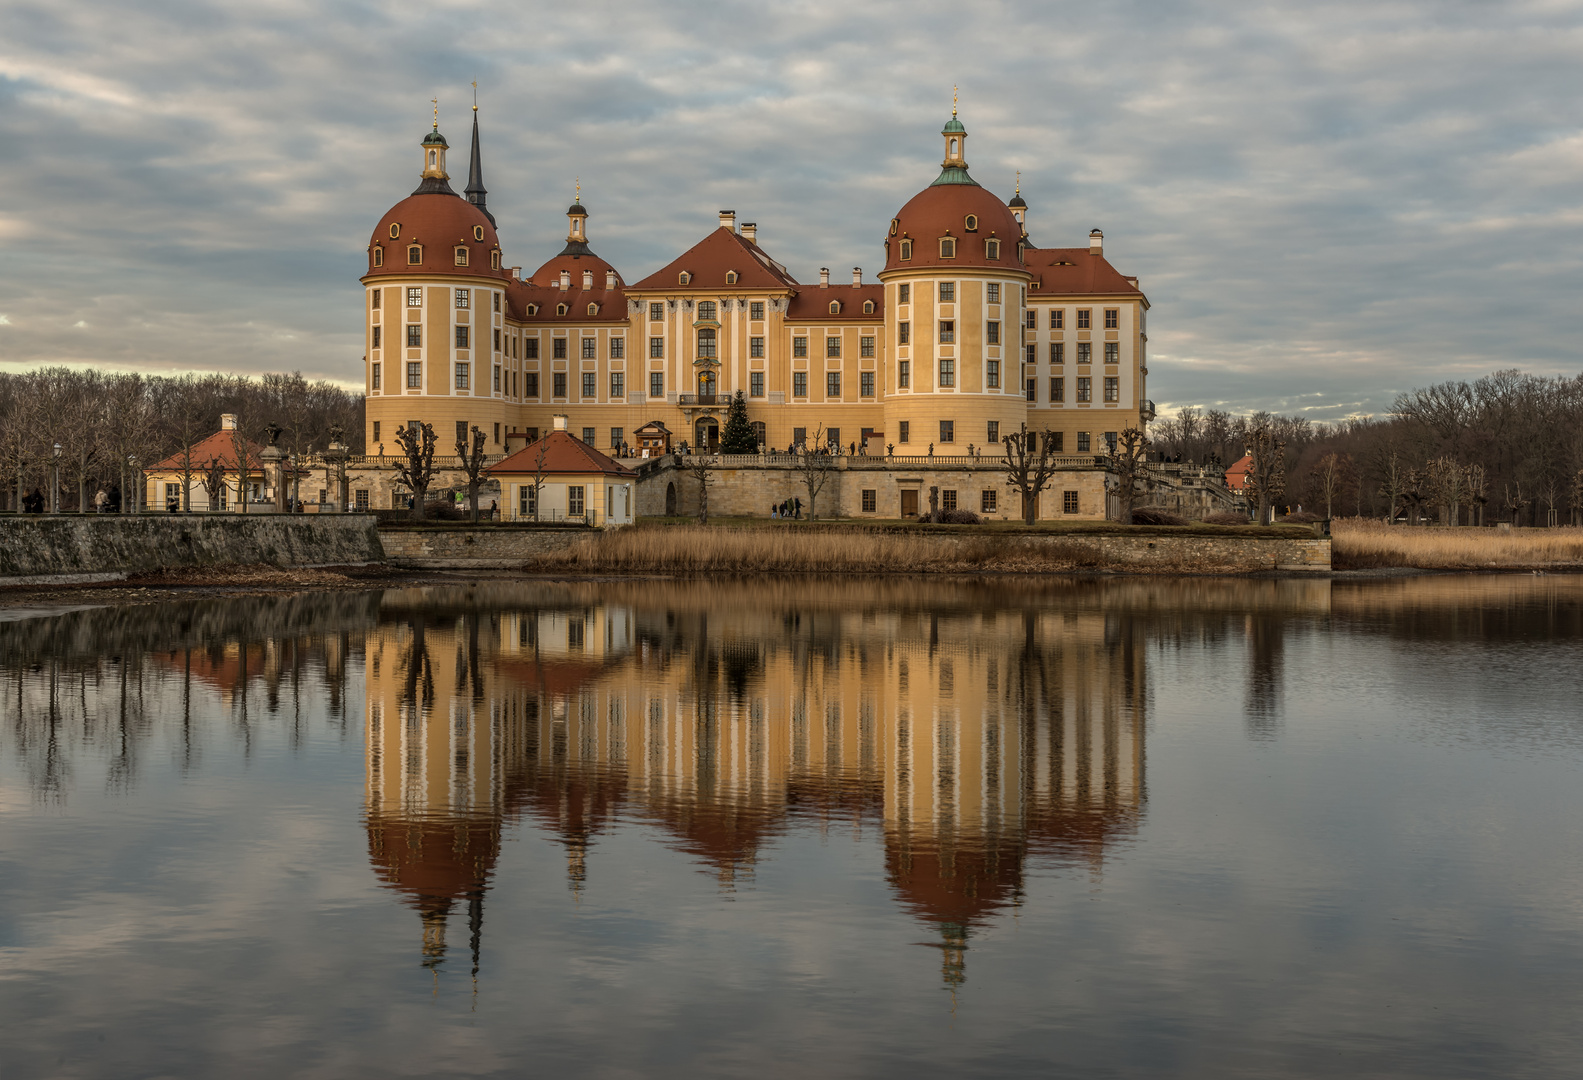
(439, 223)
(1063, 271)
(612, 303)
(942, 210)
(1237, 472)
(219, 445)
(563, 454)
(709, 260)
(812, 305)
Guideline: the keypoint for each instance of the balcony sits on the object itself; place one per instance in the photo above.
(704, 400)
(1146, 410)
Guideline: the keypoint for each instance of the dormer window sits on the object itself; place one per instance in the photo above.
(478, 233)
(868, 307)
(593, 309)
(494, 260)
(731, 277)
(895, 223)
(684, 278)
(533, 309)
(835, 307)
(560, 309)
(992, 249)
(379, 255)
(906, 251)
(414, 255)
(947, 248)
(461, 256)
(972, 223)
(395, 230)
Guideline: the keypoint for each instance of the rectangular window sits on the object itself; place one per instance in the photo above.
(361, 500)
(903, 430)
(656, 384)
(618, 348)
(590, 384)
(1112, 352)
(461, 337)
(832, 384)
(992, 432)
(656, 348)
(617, 437)
(833, 438)
(558, 348)
(948, 500)
(906, 250)
(530, 348)
(948, 431)
(527, 502)
(870, 501)
(904, 333)
(1057, 390)
(461, 298)
(799, 384)
(376, 431)
(799, 436)
(414, 376)
(1085, 391)
(832, 346)
(756, 310)
(656, 313)
(1110, 441)
(1112, 388)
(1082, 442)
(574, 508)
(947, 248)
(558, 384)
(618, 384)
(947, 331)
(461, 431)
(414, 297)
(1085, 352)
(530, 384)
(375, 296)
(799, 346)
(1031, 320)
(1031, 354)
(376, 337)
(1112, 318)
(497, 310)
(992, 333)
(376, 376)
(1068, 502)
(904, 373)
(988, 501)
(756, 347)
(947, 292)
(1060, 441)
(904, 294)
(1083, 318)
(414, 336)
(865, 346)
(497, 383)
(1058, 353)
(1031, 390)
(590, 348)
(589, 435)
(706, 343)
(706, 311)
(992, 374)
(947, 372)
(992, 293)
(865, 384)
(755, 384)
(461, 376)
(1057, 318)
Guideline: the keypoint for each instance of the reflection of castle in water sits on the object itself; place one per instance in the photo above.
(975, 734)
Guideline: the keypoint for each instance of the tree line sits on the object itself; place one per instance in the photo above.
(107, 425)
(1504, 447)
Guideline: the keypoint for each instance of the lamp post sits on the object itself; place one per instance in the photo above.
(54, 494)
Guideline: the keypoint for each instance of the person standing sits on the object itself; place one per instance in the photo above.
(101, 502)
(797, 509)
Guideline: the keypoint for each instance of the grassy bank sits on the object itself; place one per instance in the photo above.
(1365, 545)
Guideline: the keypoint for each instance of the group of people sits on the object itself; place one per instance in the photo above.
(791, 508)
(105, 502)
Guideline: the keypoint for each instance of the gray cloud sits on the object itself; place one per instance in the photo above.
(1325, 203)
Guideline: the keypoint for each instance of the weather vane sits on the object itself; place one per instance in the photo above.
(436, 113)
(579, 197)
(953, 102)
(1019, 181)
(475, 95)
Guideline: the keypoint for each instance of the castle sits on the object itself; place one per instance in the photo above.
(970, 332)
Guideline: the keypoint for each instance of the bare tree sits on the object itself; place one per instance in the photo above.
(1516, 502)
(1394, 477)
(1131, 448)
(1475, 490)
(473, 465)
(417, 445)
(1332, 474)
(538, 477)
(242, 451)
(214, 482)
(1030, 466)
(815, 469)
(1267, 473)
(699, 467)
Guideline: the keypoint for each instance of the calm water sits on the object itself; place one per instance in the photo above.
(1133, 827)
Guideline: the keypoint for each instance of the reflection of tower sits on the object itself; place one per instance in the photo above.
(1266, 655)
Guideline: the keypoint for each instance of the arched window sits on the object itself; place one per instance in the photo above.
(992, 249)
(706, 383)
(560, 309)
(379, 255)
(906, 250)
(972, 223)
(478, 232)
(395, 230)
(947, 248)
(868, 307)
(431, 159)
(684, 278)
(461, 256)
(593, 309)
(533, 309)
(494, 260)
(953, 148)
(835, 307)
(731, 277)
(414, 255)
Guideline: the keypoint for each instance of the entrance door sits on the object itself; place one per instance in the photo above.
(909, 502)
(708, 440)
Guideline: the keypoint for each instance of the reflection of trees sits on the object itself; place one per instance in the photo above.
(1266, 672)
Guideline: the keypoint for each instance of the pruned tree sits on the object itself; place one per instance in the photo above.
(472, 459)
(1516, 502)
(1575, 498)
(1476, 490)
(1030, 466)
(1131, 448)
(415, 468)
(538, 476)
(1266, 481)
(815, 469)
(699, 467)
(737, 435)
(1414, 491)
(214, 482)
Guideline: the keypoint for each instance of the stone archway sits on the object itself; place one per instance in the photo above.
(670, 500)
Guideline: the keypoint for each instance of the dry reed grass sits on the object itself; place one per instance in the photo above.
(1358, 544)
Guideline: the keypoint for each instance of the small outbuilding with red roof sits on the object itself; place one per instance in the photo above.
(562, 478)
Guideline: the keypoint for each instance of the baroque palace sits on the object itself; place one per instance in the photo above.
(971, 331)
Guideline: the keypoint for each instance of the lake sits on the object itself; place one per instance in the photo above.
(1123, 827)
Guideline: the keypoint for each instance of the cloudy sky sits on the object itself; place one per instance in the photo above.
(1325, 203)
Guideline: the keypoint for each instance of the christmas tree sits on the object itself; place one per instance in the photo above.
(738, 437)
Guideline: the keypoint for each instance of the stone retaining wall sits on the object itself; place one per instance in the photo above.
(105, 546)
(499, 547)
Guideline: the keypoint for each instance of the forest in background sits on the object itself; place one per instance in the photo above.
(102, 420)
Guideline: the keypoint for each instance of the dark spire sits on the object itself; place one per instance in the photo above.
(475, 173)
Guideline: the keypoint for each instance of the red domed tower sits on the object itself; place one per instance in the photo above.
(955, 287)
(435, 308)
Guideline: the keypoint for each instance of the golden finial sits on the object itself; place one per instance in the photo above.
(953, 103)
(436, 113)
(475, 95)
(1019, 182)
(579, 197)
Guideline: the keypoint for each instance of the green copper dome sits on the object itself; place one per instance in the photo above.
(954, 174)
(434, 138)
(953, 126)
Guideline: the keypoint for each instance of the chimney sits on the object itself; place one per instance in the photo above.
(610, 279)
(857, 277)
(1096, 243)
(566, 279)
(228, 421)
(560, 421)
(728, 220)
(750, 230)
(824, 277)
(588, 279)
